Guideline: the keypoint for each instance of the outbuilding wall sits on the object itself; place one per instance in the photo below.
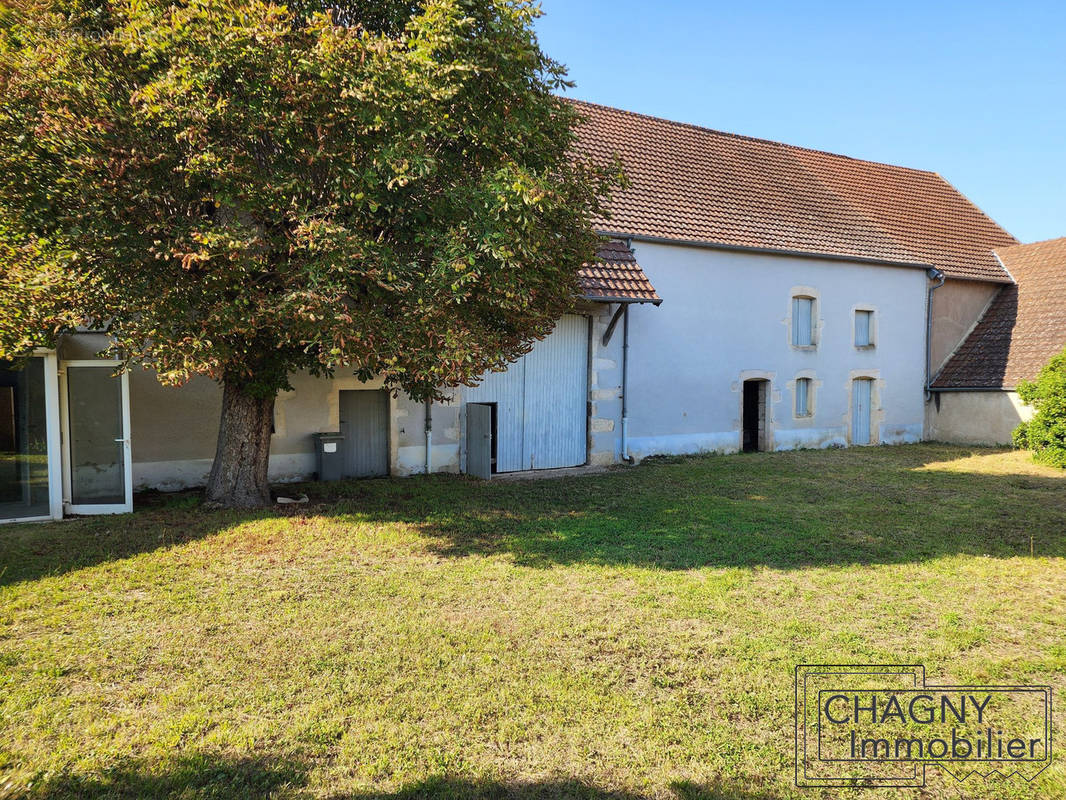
(981, 417)
(174, 429)
(957, 307)
(605, 384)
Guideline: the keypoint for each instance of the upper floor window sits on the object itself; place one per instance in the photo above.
(864, 329)
(803, 319)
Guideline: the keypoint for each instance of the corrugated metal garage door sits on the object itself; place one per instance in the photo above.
(541, 402)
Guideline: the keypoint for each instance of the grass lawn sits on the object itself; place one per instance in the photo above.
(624, 635)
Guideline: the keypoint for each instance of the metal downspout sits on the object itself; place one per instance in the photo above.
(429, 436)
(935, 275)
(625, 386)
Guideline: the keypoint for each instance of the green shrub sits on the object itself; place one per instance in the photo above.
(1045, 433)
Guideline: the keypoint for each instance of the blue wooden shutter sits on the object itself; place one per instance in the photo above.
(861, 399)
(802, 321)
(862, 328)
(802, 397)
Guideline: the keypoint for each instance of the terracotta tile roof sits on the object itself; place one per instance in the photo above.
(1023, 327)
(616, 277)
(699, 185)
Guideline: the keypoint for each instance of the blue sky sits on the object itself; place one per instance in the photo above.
(975, 91)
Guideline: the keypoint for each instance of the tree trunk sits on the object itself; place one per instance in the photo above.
(239, 474)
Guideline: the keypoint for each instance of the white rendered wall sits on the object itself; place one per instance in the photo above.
(725, 318)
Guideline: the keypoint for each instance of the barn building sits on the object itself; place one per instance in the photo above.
(748, 295)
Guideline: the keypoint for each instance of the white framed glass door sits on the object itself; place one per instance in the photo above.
(30, 482)
(98, 478)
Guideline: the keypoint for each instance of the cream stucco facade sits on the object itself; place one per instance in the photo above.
(977, 417)
(727, 319)
(174, 429)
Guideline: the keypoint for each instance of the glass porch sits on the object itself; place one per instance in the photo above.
(25, 489)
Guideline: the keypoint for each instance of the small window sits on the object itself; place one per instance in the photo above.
(803, 397)
(864, 328)
(803, 321)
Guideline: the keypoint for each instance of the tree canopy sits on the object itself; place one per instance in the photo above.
(242, 189)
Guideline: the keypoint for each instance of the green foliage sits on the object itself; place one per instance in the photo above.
(1020, 436)
(242, 189)
(377, 15)
(1045, 433)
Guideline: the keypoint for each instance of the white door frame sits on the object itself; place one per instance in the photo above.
(55, 438)
(127, 453)
(51, 416)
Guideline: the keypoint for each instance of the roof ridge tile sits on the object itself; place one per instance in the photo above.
(747, 137)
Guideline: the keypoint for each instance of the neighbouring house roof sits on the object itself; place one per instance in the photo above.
(616, 277)
(700, 186)
(1023, 326)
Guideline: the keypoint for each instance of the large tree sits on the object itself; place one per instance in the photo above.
(242, 189)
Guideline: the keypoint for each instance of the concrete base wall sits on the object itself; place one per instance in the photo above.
(975, 417)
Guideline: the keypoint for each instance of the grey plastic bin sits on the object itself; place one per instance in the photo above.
(329, 455)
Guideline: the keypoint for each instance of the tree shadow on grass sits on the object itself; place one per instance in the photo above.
(778, 510)
(212, 777)
(196, 777)
(38, 550)
(442, 788)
